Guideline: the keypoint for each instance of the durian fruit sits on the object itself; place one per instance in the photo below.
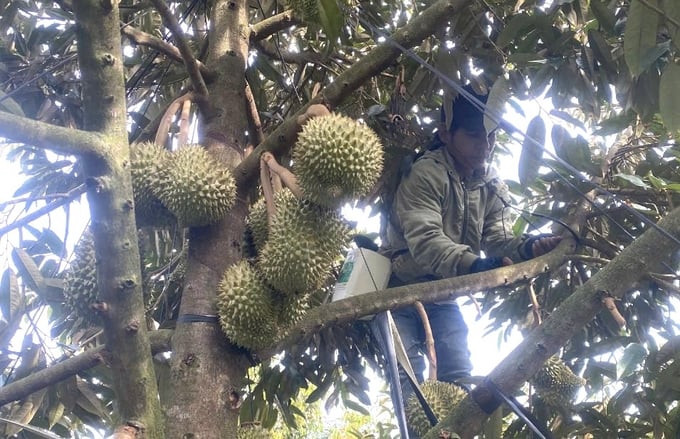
(556, 384)
(290, 309)
(245, 306)
(147, 161)
(304, 241)
(195, 187)
(336, 159)
(253, 431)
(257, 220)
(80, 282)
(441, 396)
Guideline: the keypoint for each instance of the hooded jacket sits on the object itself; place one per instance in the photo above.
(439, 222)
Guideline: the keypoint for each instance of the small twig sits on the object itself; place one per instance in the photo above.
(535, 306)
(302, 58)
(429, 340)
(144, 39)
(589, 259)
(610, 303)
(272, 25)
(163, 131)
(187, 55)
(184, 123)
(268, 190)
(49, 197)
(664, 283)
(287, 177)
(254, 122)
(67, 198)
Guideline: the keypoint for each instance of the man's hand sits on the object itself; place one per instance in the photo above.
(544, 244)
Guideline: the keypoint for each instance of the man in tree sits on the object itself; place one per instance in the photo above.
(447, 210)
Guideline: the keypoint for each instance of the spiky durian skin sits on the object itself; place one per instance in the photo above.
(555, 383)
(147, 161)
(257, 219)
(442, 397)
(336, 159)
(195, 187)
(245, 306)
(253, 432)
(80, 282)
(303, 243)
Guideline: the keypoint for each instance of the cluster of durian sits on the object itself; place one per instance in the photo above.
(442, 398)
(80, 281)
(253, 431)
(335, 159)
(188, 185)
(556, 384)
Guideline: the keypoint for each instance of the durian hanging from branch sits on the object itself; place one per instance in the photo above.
(336, 159)
(147, 163)
(195, 187)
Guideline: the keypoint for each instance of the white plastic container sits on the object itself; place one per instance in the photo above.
(362, 272)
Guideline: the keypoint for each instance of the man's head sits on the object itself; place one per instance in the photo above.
(466, 138)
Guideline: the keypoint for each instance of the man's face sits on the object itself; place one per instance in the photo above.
(470, 149)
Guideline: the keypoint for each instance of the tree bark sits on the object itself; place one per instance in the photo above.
(207, 373)
(112, 216)
(617, 277)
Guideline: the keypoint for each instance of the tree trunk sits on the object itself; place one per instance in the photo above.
(207, 372)
(113, 221)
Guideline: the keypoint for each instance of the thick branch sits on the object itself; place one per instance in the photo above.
(350, 80)
(188, 57)
(160, 342)
(348, 310)
(52, 137)
(577, 310)
(270, 26)
(167, 49)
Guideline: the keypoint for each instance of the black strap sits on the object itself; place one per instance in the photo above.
(197, 318)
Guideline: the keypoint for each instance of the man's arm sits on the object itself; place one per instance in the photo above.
(418, 207)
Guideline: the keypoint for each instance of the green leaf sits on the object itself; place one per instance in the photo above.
(532, 151)
(669, 96)
(9, 105)
(658, 183)
(331, 19)
(495, 103)
(355, 406)
(29, 270)
(603, 14)
(632, 179)
(574, 151)
(640, 34)
(513, 28)
(41, 432)
(633, 356)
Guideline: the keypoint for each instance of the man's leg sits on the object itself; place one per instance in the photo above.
(450, 341)
(411, 333)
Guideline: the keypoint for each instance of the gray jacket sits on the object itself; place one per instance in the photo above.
(440, 222)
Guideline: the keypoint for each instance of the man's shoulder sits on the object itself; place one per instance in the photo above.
(434, 159)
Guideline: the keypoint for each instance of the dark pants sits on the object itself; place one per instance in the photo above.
(450, 341)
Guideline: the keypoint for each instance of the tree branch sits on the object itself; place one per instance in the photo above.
(351, 79)
(66, 198)
(348, 310)
(575, 312)
(159, 340)
(188, 57)
(270, 26)
(53, 137)
(144, 39)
